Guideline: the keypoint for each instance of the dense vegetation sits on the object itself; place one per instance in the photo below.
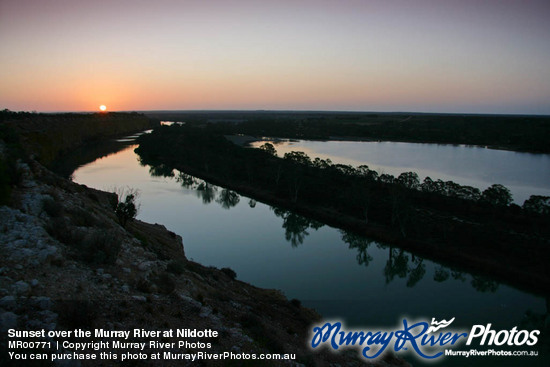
(48, 135)
(441, 219)
(514, 132)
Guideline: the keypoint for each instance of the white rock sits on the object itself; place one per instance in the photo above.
(189, 300)
(146, 265)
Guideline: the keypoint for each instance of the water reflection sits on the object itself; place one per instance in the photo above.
(483, 284)
(228, 199)
(86, 154)
(400, 264)
(161, 170)
(207, 192)
(361, 244)
(185, 180)
(295, 226)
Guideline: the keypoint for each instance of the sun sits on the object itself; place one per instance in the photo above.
(103, 108)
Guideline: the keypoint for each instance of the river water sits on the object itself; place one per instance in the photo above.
(345, 277)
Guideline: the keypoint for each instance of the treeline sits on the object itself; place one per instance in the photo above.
(48, 135)
(436, 218)
(496, 194)
(513, 132)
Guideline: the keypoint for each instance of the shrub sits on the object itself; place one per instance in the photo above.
(99, 248)
(58, 229)
(52, 207)
(229, 272)
(126, 210)
(165, 283)
(255, 327)
(176, 267)
(143, 285)
(83, 218)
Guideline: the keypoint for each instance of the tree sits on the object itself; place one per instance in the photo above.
(126, 210)
(451, 188)
(409, 180)
(298, 157)
(322, 163)
(428, 185)
(269, 148)
(345, 169)
(364, 171)
(469, 193)
(538, 204)
(386, 178)
(298, 161)
(497, 195)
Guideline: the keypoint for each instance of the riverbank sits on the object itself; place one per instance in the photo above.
(523, 133)
(46, 137)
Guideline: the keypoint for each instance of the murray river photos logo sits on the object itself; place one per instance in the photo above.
(427, 340)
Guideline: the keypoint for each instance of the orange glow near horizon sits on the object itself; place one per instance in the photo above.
(364, 56)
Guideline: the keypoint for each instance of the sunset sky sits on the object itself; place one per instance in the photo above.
(428, 56)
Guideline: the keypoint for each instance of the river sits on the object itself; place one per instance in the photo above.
(345, 277)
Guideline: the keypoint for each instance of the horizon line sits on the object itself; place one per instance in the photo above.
(293, 111)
